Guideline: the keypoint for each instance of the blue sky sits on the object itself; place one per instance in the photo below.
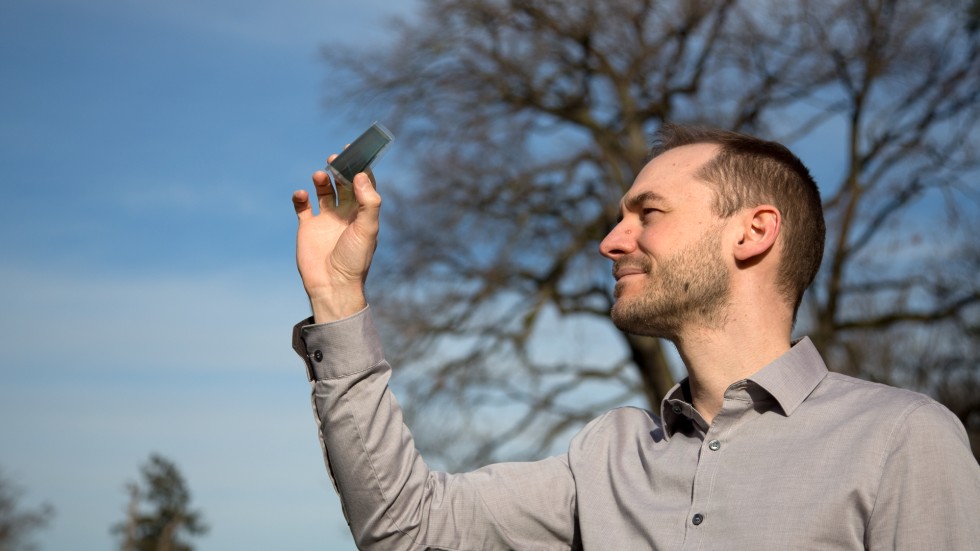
(147, 285)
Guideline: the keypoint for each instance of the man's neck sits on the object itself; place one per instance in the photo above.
(716, 358)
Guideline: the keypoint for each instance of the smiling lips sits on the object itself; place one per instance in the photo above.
(623, 268)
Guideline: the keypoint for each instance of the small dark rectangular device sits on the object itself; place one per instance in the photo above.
(361, 154)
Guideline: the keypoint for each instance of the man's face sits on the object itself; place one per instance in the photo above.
(666, 251)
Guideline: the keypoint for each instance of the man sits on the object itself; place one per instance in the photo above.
(759, 448)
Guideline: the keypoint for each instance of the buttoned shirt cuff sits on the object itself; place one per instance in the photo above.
(339, 348)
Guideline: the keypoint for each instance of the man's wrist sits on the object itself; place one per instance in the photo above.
(337, 306)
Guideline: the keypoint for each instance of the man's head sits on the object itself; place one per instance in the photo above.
(697, 180)
(748, 172)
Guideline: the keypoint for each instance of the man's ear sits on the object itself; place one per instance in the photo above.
(759, 229)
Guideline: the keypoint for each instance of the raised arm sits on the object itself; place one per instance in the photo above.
(390, 497)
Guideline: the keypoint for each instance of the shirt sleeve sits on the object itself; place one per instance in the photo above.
(390, 497)
(929, 493)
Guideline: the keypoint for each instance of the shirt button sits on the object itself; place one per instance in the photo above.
(697, 519)
(714, 445)
(677, 408)
(317, 356)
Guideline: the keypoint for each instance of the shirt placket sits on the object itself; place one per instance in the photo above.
(710, 457)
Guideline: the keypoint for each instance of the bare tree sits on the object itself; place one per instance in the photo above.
(17, 525)
(529, 119)
(168, 520)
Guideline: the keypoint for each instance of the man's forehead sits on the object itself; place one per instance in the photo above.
(680, 161)
(666, 178)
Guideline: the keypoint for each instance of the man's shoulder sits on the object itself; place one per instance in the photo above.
(870, 402)
(841, 388)
(618, 425)
(630, 417)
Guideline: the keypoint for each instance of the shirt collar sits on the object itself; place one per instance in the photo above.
(676, 410)
(789, 379)
(792, 376)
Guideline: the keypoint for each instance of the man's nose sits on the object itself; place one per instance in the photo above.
(620, 241)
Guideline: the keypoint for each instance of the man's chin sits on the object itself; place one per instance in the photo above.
(625, 316)
(631, 316)
(618, 290)
(626, 290)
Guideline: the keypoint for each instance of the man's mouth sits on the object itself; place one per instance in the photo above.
(621, 270)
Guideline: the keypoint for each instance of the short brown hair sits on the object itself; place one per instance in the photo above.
(748, 172)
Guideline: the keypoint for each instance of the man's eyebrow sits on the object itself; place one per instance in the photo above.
(634, 202)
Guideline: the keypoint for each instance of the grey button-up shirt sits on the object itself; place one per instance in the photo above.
(798, 458)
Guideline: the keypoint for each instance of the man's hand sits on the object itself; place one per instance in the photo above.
(334, 247)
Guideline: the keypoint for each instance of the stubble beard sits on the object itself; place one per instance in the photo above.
(688, 289)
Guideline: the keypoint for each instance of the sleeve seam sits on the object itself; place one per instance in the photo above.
(888, 449)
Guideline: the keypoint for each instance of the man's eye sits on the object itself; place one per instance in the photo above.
(649, 211)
